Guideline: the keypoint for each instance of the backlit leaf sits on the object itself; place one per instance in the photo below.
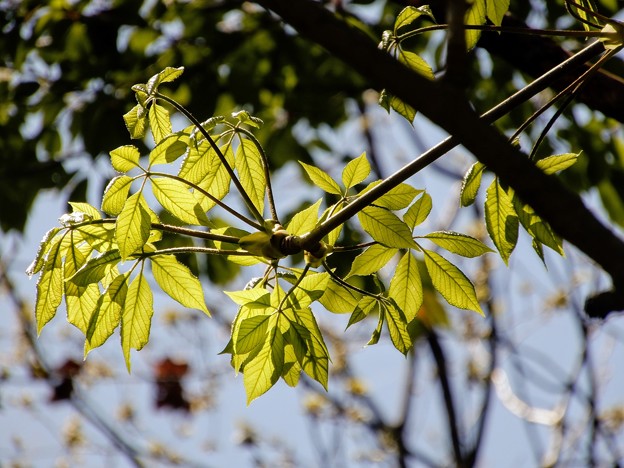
(115, 195)
(80, 300)
(475, 15)
(397, 326)
(404, 109)
(107, 314)
(136, 318)
(251, 298)
(165, 76)
(451, 283)
(457, 243)
(355, 171)
(50, 286)
(250, 169)
(316, 361)
(556, 163)
(136, 121)
(338, 299)
(178, 282)
(132, 226)
(305, 220)
(96, 268)
(406, 286)
(169, 149)
(416, 63)
(174, 196)
(418, 212)
(386, 228)
(44, 247)
(371, 260)
(410, 14)
(395, 199)
(501, 220)
(496, 10)
(81, 207)
(536, 227)
(471, 183)
(251, 333)
(366, 306)
(261, 372)
(125, 158)
(159, 122)
(321, 179)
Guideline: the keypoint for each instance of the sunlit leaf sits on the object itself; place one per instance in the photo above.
(132, 226)
(44, 247)
(125, 158)
(371, 260)
(416, 63)
(316, 361)
(251, 298)
(374, 339)
(556, 163)
(496, 10)
(251, 333)
(536, 227)
(355, 171)
(169, 149)
(457, 243)
(165, 76)
(406, 286)
(404, 109)
(96, 268)
(174, 196)
(310, 289)
(338, 299)
(159, 122)
(81, 301)
(178, 282)
(471, 183)
(136, 318)
(305, 220)
(366, 306)
(50, 286)
(107, 314)
(251, 172)
(397, 326)
(386, 228)
(475, 15)
(501, 220)
(395, 199)
(418, 212)
(410, 14)
(81, 207)
(291, 371)
(136, 121)
(451, 282)
(321, 179)
(115, 195)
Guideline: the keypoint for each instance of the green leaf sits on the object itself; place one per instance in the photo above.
(496, 10)
(460, 244)
(374, 339)
(100, 237)
(386, 228)
(406, 286)
(44, 246)
(89, 210)
(475, 15)
(159, 122)
(397, 326)
(355, 171)
(175, 197)
(216, 180)
(540, 231)
(338, 299)
(251, 333)
(165, 76)
(136, 318)
(250, 169)
(291, 371)
(132, 226)
(310, 289)
(50, 286)
(416, 63)
(261, 372)
(471, 183)
(366, 306)
(169, 149)
(96, 268)
(125, 158)
(395, 199)
(136, 122)
(178, 282)
(410, 14)
(418, 212)
(115, 195)
(407, 111)
(304, 221)
(107, 314)
(256, 298)
(316, 361)
(501, 220)
(556, 163)
(321, 179)
(451, 282)
(81, 301)
(371, 260)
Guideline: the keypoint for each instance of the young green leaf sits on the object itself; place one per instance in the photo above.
(366, 306)
(501, 220)
(460, 244)
(174, 196)
(251, 333)
(132, 226)
(95, 268)
(321, 179)
(406, 286)
(50, 286)
(136, 121)
(310, 289)
(115, 195)
(397, 326)
(386, 228)
(136, 318)
(81, 301)
(107, 314)
(216, 180)
(418, 212)
(556, 163)
(81, 207)
(125, 158)
(338, 299)
(251, 172)
(165, 76)
(407, 111)
(416, 63)
(291, 372)
(160, 122)
(178, 282)
(451, 283)
(169, 149)
(475, 15)
(316, 361)
(541, 231)
(355, 171)
(374, 339)
(44, 246)
(371, 260)
(471, 183)
(305, 220)
(496, 10)
(410, 14)
(256, 298)
(395, 199)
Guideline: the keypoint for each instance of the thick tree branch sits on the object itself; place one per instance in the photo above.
(563, 209)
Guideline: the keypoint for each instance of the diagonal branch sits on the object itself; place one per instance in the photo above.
(563, 210)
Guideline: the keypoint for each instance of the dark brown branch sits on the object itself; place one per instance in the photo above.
(563, 209)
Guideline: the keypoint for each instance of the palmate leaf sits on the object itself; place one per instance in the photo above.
(386, 228)
(366, 306)
(304, 220)
(451, 283)
(321, 179)
(159, 122)
(355, 171)
(125, 158)
(81, 301)
(178, 282)
(107, 314)
(418, 212)
(457, 243)
(136, 318)
(371, 260)
(471, 183)
(115, 195)
(50, 286)
(174, 196)
(292, 369)
(501, 220)
(406, 286)
(250, 169)
(397, 326)
(132, 227)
